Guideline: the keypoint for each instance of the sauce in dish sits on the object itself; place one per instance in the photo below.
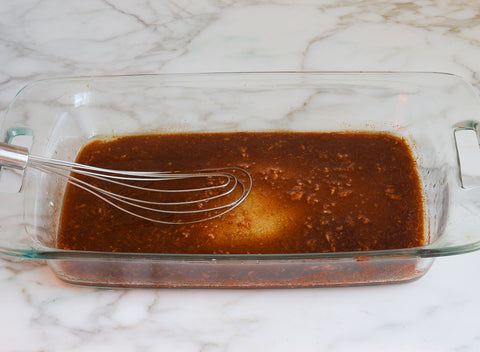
(312, 192)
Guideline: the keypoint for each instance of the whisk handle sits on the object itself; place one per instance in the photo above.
(13, 156)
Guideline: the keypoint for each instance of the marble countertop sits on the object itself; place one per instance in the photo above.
(40, 38)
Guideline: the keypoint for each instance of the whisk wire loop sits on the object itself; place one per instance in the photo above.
(221, 189)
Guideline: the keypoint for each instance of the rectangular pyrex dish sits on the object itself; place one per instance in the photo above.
(65, 113)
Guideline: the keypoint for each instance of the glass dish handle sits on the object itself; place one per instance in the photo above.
(14, 239)
(14, 155)
(467, 144)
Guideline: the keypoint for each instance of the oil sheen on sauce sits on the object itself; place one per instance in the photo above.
(312, 192)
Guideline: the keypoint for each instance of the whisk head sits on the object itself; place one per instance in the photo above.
(161, 197)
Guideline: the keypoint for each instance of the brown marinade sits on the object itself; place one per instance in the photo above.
(312, 192)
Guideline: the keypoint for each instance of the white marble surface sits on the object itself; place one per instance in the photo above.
(40, 38)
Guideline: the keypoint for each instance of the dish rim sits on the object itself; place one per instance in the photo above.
(426, 251)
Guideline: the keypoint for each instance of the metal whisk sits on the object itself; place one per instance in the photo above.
(163, 197)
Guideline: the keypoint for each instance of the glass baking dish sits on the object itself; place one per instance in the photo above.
(63, 114)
